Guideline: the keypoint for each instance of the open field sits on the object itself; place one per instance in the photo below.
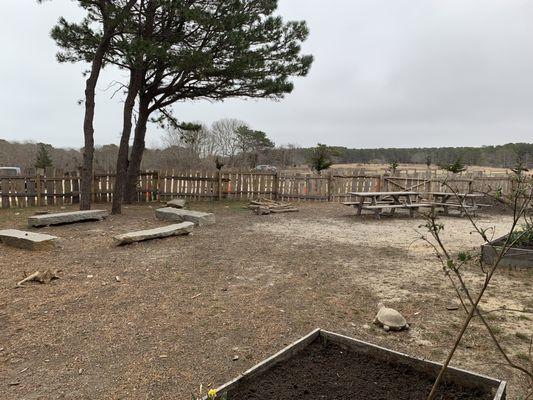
(185, 307)
(403, 168)
(418, 167)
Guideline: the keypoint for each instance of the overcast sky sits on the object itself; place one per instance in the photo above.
(387, 73)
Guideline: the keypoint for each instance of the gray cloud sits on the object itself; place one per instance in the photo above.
(387, 73)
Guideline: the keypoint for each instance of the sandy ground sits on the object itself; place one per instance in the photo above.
(185, 308)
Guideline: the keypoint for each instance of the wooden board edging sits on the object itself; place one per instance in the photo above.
(462, 377)
(514, 257)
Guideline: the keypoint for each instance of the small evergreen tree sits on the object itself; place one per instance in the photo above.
(456, 167)
(321, 157)
(43, 159)
(520, 167)
(393, 166)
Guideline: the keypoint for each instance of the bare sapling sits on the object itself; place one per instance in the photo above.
(519, 203)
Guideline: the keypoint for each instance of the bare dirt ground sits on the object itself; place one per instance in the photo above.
(186, 307)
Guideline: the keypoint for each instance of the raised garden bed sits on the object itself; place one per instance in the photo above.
(328, 366)
(516, 256)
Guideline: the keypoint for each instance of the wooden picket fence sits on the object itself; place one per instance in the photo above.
(56, 188)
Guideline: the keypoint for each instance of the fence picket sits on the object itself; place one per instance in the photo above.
(57, 188)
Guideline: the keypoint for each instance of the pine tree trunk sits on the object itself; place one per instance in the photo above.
(88, 128)
(122, 159)
(130, 192)
(109, 28)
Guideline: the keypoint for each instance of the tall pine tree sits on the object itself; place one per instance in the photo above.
(109, 17)
(190, 50)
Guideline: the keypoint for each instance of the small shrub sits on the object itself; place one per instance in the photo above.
(456, 167)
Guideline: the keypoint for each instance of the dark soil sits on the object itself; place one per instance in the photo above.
(329, 372)
(520, 245)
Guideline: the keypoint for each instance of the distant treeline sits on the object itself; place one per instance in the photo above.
(24, 155)
(490, 156)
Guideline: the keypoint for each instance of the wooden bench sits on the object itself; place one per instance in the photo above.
(380, 206)
(452, 205)
(412, 207)
(461, 207)
(357, 203)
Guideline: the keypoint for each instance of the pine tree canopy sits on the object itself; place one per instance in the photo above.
(197, 49)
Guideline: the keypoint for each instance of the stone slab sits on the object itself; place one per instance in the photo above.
(66, 217)
(180, 215)
(27, 240)
(177, 203)
(183, 228)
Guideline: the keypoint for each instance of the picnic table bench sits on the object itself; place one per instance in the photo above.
(464, 202)
(413, 201)
(378, 201)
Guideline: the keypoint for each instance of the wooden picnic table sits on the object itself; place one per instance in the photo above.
(377, 201)
(462, 201)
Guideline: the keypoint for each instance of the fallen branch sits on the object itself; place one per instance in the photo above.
(37, 276)
(265, 206)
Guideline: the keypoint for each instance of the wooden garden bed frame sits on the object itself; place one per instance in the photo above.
(461, 377)
(515, 257)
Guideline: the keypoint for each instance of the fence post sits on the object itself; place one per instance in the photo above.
(38, 190)
(330, 184)
(275, 185)
(4, 192)
(219, 186)
(93, 188)
(385, 182)
(157, 180)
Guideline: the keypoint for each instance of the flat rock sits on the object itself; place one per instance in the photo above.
(183, 228)
(180, 215)
(27, 240)
(176, 203)
(66, 217)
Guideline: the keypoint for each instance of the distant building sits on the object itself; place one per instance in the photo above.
(10, 171)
